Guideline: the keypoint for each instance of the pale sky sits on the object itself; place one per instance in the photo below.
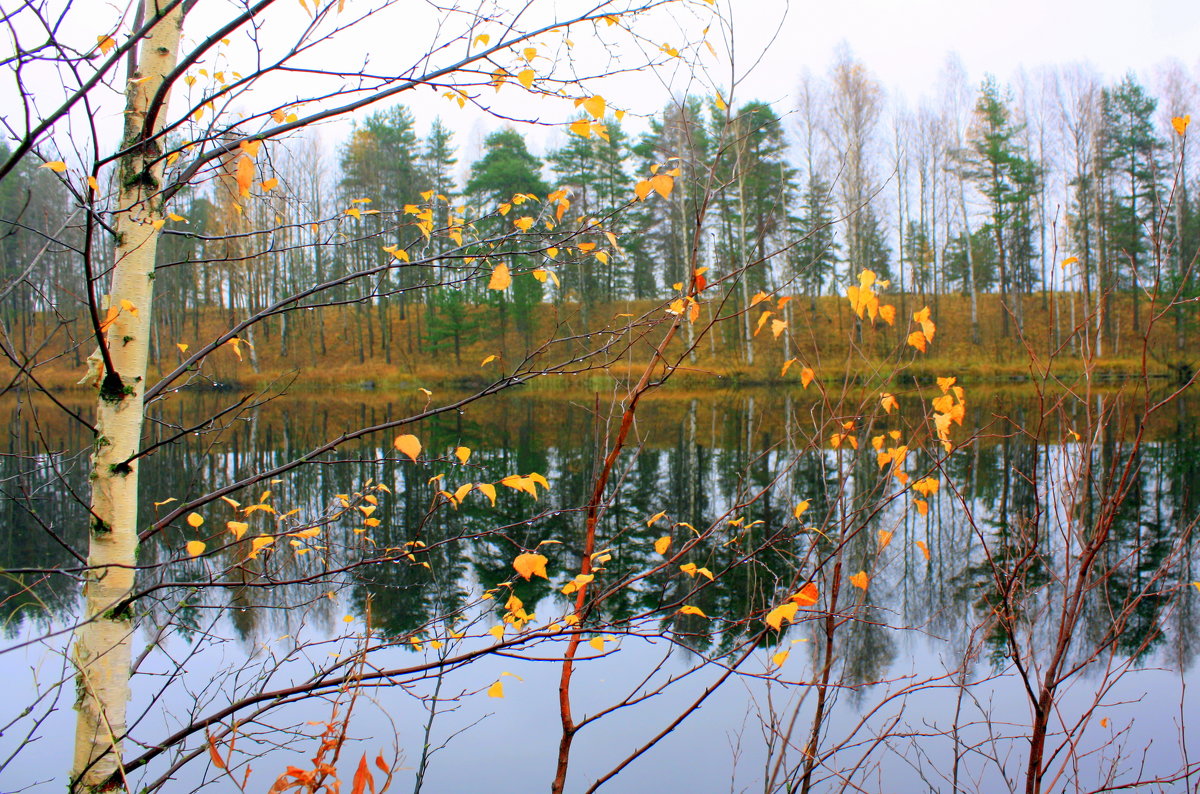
(904, 43)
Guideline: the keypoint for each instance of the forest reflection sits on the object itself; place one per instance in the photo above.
(739, 462)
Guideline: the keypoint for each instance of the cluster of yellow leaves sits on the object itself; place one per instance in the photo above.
(692, 570)
(927, 487)
(806, 597)
(846, 437)
(864, 300)
(660, 182)
(920, 339)
(896, 456)
(514, 612)
(949, 408)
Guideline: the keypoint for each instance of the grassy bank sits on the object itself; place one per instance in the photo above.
(358, 347)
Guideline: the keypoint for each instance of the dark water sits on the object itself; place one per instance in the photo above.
(930, 667)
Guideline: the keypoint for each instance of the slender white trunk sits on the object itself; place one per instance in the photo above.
(102, 645)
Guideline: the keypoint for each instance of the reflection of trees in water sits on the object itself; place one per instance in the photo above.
(702, 461)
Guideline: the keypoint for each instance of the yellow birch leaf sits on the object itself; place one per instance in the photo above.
(500, 278)
(107, 43)
(461, 492)
(1180, 124)
(595, 106)
(582, 128)
(779, 658)
(497, 631)
(462, 453)
(924, 549)
(259, 543)
(524, 224)
(166, 501)
(529, 564)
(776, 616)
(238, 528)
(250, 148)
(654, 519)
(799, 509)
(917, 339)
(786, 366)
(176, 218)
(496, 690)
(777, 327)
(57, 166)
(482, 39)
(662, 184)
(525, 77)
(643, 189)
(597, 643)
(91, 180)
(488, 490)
(1070, 260)
(269, 184)
(487, 360)
(195, 520)
(922, 506)
(888, 401)
(860, 580)
(705, 573)
(888, 313)
(806, 376)
(408, 445)
(688, 609)
(245, 175)
(885, 537)
(762, 320)
(662, 544)
(195, 548)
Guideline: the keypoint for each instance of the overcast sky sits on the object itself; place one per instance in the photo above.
(906, 43)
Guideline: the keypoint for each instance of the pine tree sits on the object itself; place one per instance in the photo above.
(813, 260)
(593, 170)
(1131, 154)
(1002, 172)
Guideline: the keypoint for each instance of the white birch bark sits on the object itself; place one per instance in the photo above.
(102, 645)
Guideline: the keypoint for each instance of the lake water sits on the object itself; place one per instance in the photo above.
(930, 665)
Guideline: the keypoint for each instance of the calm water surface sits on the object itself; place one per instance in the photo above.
(925, 691)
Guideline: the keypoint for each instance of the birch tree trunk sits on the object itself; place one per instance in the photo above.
(102, 644)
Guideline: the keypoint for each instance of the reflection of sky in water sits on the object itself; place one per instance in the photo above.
(916, 628)
(509, 744)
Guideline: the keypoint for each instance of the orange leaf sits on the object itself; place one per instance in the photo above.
(924, 549)
(218, 762)
(408, 445)
(807, 596)
(917, 340)
(363, 779)
(245, 175)
(860, 580)
(806, 376)
(529, 565)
